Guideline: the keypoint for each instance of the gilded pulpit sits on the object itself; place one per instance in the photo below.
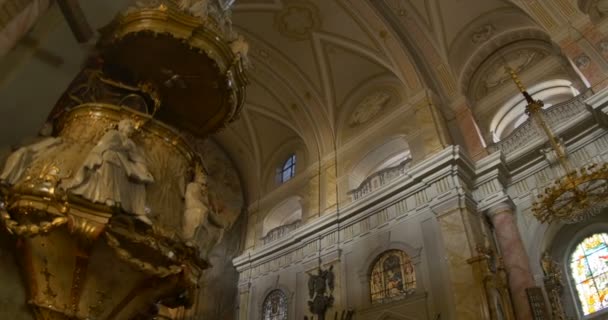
(111, 214)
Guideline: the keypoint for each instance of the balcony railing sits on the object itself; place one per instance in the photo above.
(554, 116)
(379, 179)
(280, 232)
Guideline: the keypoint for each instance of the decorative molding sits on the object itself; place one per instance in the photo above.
(298, 19)
(379, 179)
(559, 117)
(438, 180)
(369, 108)
(483, 34)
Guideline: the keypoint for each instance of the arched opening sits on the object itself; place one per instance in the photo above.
(379, 167)
(275, 306)
(283, 219)
(392, 277)
(513, 113)
(287, 170)
(589, 272)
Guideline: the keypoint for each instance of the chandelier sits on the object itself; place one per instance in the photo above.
(581, 192)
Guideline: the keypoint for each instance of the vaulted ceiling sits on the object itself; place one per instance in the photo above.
(322, 71)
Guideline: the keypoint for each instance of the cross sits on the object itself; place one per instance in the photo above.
(76, 19)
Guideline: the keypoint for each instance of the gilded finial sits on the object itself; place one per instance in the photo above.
(515, 78)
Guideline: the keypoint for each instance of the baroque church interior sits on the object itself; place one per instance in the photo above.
(303, 159)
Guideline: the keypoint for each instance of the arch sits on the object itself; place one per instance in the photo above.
(286, 214)
(275, 305)
(595, 9)
(390, 153)
(560, 242)
(588, 269)
(512, 113)
(288, 169)
(276, 160)
(391, 276)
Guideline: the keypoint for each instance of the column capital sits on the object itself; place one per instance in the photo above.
(500, 208)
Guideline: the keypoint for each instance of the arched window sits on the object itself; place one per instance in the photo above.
(512, 114)
(275, 306)
(288, 170)
(589, 270)
(392, 277)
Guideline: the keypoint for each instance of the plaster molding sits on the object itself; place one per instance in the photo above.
(436, 180)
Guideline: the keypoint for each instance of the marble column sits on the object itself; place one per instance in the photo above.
(514, 257)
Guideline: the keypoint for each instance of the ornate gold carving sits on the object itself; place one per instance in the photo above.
(554, 285)
(182, 40)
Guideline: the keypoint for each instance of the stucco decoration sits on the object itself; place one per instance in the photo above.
(483, 33)
(490, 75)
(217, 298)
(298, 20)
(226, 196)
(369, 108)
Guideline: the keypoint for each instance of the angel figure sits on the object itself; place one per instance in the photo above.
(240, 48)
(201, 223)
(212, 230)
(197, 8)
(114, 173)
(197, 204)
(320, 298)
(17, 163)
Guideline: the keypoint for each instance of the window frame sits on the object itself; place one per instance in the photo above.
(288, 166)
(570, 275)
(410, 290)
(268, 296)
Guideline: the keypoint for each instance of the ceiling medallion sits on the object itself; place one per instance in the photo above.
(483, 34)
(581, 193)
(298, 20)
(369, 108)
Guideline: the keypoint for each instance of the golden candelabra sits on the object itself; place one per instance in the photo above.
(581, 192)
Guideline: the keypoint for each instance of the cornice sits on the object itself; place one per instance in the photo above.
(451, 163)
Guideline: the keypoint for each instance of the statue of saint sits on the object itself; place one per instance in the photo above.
(197, 205)
(201, 223)
(18, 162)
(114, 173)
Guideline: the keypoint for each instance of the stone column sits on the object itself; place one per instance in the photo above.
(514, 256)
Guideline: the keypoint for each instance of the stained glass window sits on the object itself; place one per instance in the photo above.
(589, 267)
(392, 277)
(275, 306)
(289, 169)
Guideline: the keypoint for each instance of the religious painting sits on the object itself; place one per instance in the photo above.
(589, 270)
(392, 277)
(275, 306)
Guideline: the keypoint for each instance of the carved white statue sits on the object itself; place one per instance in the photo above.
(114, 173)
(199, 225)
(197, 205)
(18, 162)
